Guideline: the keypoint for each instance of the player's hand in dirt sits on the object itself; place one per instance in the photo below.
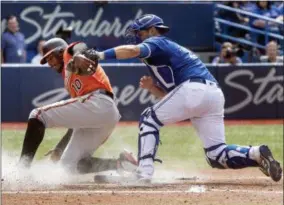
(146, 82)
(54, 154)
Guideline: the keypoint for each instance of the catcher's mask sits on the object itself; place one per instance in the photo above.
(54, 46)
(143, 23)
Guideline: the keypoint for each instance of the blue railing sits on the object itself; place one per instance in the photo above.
(266, 32)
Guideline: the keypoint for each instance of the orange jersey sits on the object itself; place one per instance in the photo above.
(81, 85)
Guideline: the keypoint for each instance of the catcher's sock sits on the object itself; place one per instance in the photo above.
(254, 154)
(93, 164)
(33, 137)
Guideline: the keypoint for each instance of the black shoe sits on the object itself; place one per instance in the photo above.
(268, 165)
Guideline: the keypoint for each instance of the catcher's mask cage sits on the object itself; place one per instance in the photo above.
(53, 45)
(143, 23)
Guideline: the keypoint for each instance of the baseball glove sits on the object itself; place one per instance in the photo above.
(83, 64)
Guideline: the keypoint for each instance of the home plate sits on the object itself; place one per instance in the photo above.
(197, 189)
(128, 180)
(102, 179)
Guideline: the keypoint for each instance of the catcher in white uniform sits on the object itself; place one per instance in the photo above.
(187, 91)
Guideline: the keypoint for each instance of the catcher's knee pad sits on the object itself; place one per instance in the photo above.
(224, 156)
(149, 138)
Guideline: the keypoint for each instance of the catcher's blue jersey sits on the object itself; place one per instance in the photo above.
(171, 64)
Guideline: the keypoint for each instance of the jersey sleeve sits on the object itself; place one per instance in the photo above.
(148, 48)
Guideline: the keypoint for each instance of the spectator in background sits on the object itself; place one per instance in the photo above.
(247, 5)
(38, 57)
(228, 54)
(280, 11)
(253, 55)
(271, 54)
(13, 48)
(234, 17)
(266, 9)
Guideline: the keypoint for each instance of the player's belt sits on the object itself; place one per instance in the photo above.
(203, 81)
(107, 93)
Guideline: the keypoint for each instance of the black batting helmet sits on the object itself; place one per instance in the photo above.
(53, 45)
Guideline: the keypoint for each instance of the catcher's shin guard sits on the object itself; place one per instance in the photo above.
(224, 156)
(149, 136)
(33, 137)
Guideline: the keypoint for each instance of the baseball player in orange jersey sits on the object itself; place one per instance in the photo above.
(91, 113)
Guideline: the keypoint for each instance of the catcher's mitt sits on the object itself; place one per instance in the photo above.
(83, 64)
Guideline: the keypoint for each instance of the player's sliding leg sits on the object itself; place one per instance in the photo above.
(83, 143)
(33, 137)
(97, 112)
(124, 163)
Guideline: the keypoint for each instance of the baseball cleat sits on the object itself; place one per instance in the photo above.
(126, 163)
(268, 165)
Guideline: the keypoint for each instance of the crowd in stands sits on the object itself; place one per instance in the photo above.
(13, 48)
(250, 53)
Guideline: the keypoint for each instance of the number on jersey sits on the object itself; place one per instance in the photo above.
(77, 85)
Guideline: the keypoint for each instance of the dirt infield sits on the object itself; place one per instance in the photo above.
(214, 187)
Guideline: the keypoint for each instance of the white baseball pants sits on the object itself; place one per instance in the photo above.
(93, 118)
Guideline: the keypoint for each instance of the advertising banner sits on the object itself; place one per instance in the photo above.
(104, 25)
(251, 92)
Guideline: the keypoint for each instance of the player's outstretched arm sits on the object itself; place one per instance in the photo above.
(55, 154)
(120, 52)
(143, 50)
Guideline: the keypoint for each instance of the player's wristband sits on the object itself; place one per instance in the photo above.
(109, 54)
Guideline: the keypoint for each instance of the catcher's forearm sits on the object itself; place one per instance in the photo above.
(61, 145)
(128, 51)
(120, 52)
(157, 92)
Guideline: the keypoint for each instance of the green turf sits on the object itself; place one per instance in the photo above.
(179, 144)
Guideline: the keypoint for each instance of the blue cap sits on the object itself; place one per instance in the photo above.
(147, 21)
(142, 23)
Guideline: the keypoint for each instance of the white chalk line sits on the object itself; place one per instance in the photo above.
(82, 192)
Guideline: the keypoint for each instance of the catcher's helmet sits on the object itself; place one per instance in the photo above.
(147, 21)
(53, 45)
(142, 23)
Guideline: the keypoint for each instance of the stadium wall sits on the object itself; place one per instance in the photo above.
(252, 91)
